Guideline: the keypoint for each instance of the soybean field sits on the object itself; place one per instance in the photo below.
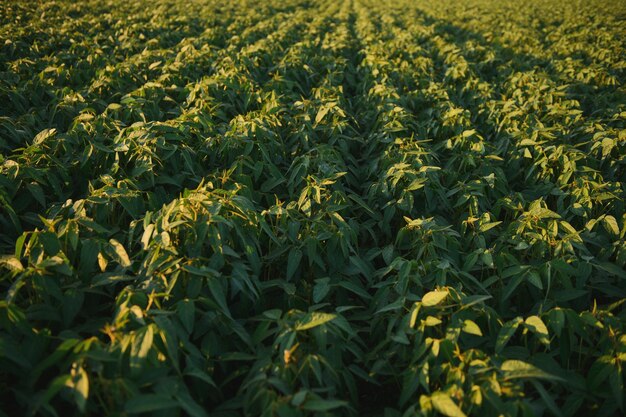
(291, 208)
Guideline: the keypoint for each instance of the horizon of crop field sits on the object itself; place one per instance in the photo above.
(290, 208)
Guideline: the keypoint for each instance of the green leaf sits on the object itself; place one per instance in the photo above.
(293, 261)
(506, 332)
(535, 279)
(547, 399)
(321, 289)
(146, 403)
(396, 305)
(323, 405)
(511, 286)
(299, 398)
(201, 375)
(272, 183)
(53, 388)
(188, 404)
(186, 312)
(37, 192)
(612, 269)
(444, 405)
(91, 225)
(63, 349)
(50, 242)
(219, 294)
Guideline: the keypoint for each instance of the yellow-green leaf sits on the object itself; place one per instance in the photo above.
(472, 328)
(312, 320)
(122, 255)
(433, 298)
(610, 224)
(444, 405)
(514, 368)
(12, 263)
(537, 326)
(432, 321)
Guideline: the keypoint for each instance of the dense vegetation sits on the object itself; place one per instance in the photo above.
(312, 207)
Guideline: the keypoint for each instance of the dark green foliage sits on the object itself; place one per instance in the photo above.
(308, 208)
